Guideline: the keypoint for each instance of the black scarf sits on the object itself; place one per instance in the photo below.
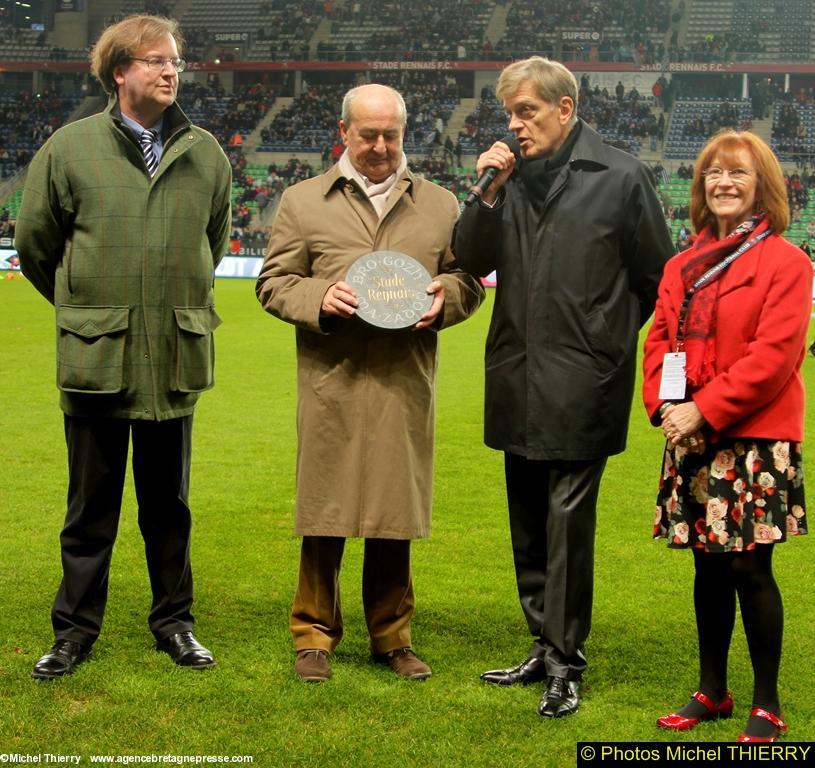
(539, 173)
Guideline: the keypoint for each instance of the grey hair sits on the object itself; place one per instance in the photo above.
(351, 96)
(550, 79)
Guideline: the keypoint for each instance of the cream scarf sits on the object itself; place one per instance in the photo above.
(377, 193)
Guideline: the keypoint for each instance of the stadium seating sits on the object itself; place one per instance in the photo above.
(750, 30)
(260, 30)
(623, 124)
(680, 144)
(335, 30)
(26, 121)
(630, 30)
(417, 30)
(799, 143)
(30, 45)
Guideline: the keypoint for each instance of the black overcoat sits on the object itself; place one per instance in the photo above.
(577, 278)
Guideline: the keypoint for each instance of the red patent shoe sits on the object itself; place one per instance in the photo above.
(780, 725)
(677, 722)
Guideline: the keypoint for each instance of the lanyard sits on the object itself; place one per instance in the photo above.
(712, 273)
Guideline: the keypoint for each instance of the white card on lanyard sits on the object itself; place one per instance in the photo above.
(672, 385)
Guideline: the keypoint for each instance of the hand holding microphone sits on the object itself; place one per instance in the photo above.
(497, 162)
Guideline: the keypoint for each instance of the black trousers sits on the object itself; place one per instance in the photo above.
(552, 518)
(97, 463)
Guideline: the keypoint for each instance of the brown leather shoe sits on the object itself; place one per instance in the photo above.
(311, 665)
(405, 663)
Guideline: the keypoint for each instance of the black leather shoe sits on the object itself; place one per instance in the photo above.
(532, 670)
(560, 698)
(186, 651)
(62, 659)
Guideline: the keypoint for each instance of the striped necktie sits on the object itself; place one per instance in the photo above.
(146, 141)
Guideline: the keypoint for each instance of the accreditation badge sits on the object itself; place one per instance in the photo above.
(673, 383)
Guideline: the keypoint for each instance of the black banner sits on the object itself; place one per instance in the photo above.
(694, 754)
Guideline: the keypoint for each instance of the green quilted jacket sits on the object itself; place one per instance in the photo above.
(128, 262)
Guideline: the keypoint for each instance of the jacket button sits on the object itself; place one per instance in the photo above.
(146, 356)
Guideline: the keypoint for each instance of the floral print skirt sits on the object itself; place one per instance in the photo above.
(731, 496)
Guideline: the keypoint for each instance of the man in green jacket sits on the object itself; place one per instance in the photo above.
(124, 217)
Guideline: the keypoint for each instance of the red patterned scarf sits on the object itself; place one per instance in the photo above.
(700, 324)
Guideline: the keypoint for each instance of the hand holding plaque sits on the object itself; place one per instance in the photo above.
(391, 289)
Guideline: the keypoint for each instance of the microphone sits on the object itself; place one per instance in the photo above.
(486, 178)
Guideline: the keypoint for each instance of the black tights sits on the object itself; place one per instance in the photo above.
(719, 579)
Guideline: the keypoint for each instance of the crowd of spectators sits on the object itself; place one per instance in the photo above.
(6, 223)
(31, 40)
(430, 98)
(309, 122)
(695, 119)
(725, 115)
(631, 30)
(13, 160)
(798, 186)
(486, 123)
(10, 33)
(288, 26)
(419, 31)
(196, 41)
(427, 30)
(623, 116)
(791, 139)
(254, 189)
(26, 121)
(685, 171)
(537, 26)
(787, 123)
(737, 45)
(228, 116)
(291, 18)
(280, 28)
(442, 171)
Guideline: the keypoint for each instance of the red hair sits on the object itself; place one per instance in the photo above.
(771, 192)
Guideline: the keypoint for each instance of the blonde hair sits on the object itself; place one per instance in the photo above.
(120, 41)
(550, 79)
(771, 192)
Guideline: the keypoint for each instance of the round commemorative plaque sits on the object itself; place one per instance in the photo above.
(391, 288)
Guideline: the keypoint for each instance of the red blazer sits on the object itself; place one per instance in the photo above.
(763, 312)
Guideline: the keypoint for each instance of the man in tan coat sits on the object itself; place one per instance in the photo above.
(365, 414)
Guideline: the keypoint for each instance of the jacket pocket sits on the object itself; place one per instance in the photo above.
(91, 348)
(611, 345)
(195, 348)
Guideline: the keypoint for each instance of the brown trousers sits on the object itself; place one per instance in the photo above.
(387, 594)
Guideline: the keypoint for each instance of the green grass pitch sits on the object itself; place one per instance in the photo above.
(131, 700)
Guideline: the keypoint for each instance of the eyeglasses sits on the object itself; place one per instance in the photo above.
(737, 175)
(157, 63)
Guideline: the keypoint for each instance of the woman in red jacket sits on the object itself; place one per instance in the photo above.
(722, 371)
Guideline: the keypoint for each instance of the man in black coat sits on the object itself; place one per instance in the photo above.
(575, 231)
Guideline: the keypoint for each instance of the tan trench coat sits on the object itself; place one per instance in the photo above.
(365, 416)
